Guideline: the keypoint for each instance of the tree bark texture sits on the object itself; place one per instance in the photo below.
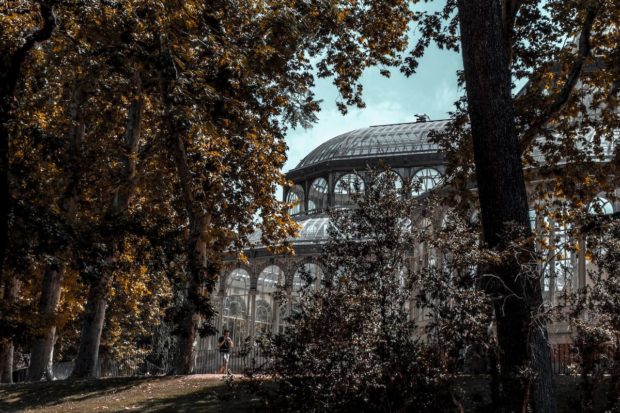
(503, 200)
(197, 243)
(43, 349)
(9, 295)
(90, 337)
(197, 249)
(188, 333)
(6, 360)
(10, 73)
(94, 315)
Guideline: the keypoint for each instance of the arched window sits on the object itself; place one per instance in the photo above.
(345, 187)
(235, 316)
(264, 312)
(296, 198)
(424, 180)
(563, 263)
(317, 196)
(600, 206)
(238, 282)
(269, 280)
(308, 273)
(398, 181)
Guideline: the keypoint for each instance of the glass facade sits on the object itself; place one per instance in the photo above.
(424, 180)
(344, 189)
(296, 198)
(318, 195)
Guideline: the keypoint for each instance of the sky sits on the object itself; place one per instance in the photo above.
(431, 91)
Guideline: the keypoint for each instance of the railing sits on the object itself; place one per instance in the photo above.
(239, 362)
(205, 362)
(564, 361)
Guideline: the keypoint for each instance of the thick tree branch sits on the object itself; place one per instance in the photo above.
(510, 8)
(9, 77)
(562, 97)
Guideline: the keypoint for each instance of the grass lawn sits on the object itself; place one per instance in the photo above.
(197, 393)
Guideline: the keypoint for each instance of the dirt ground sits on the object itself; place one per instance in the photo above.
(197, 393)
(206, 393)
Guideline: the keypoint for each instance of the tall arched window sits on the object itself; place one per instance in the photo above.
(345, 187)
(600, 206)
(308, 270)
(269, 280)
(424, 180)
(296, 198)
(563, 262)
(235, 316)
(398, 181)
(317, 196)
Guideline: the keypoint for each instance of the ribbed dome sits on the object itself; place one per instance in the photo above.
(386, 140)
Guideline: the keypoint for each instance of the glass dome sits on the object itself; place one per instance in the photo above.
(386, 140)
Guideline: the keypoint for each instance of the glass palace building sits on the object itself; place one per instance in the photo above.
(246, 294)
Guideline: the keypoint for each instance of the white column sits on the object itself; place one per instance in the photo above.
(581, 263)
(252, 316)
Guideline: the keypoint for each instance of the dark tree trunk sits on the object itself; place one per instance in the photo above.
(94, 314)
(197, 244)
(503, 201)
(9, 295)
(90, 337)
(188, 333)
(10, 72)
(6, 360)
(41, 355)
(188, 328)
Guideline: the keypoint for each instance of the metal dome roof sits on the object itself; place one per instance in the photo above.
(386, 140)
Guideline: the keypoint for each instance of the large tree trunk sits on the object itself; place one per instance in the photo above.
(94, 314)
(6, 360)
(9, 295)
(42, 350)
(90, 337)
(10, 73)
(503, 200)
(188, 329)
(41, 355)
(187, 335)
(197, 245)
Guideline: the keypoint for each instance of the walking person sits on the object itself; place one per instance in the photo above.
(225, 344)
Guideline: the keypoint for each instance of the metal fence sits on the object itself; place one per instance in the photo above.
(205, 361)
(563, 358)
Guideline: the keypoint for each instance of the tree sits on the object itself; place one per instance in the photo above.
(255, 70)
(17, 44)
(350, 343)
(566, 126)
(594, 313)
(503, 201)
(378, 332)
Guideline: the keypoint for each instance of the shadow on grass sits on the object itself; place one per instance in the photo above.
(221, 398)
(16, 397)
